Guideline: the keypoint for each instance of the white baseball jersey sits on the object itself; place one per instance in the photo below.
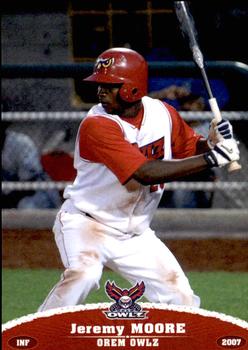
(119, 236)
(98, 192)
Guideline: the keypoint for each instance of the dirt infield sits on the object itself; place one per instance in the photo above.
(37, 249)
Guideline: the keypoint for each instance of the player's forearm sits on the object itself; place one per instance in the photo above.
(159, 171)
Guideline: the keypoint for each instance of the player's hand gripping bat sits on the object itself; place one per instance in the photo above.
(188, 28)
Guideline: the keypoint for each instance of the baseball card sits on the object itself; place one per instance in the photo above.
(124, 175)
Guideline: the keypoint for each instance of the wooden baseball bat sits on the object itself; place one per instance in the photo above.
(188, 28)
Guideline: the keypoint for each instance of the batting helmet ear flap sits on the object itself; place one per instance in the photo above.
(130, 93)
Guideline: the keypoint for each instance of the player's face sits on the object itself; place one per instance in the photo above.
(108, 97)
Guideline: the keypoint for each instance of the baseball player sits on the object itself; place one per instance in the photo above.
(127, 148)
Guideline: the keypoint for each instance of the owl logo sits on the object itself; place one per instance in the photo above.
(125, 299)
(104, 63)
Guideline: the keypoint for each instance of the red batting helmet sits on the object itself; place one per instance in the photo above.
(122, 66)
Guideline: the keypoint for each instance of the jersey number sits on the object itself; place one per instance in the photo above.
(154, 150)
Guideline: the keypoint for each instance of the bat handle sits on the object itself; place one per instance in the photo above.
(233, 166)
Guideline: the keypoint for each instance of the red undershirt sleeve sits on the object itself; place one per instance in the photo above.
(101, 140)
(183, 139)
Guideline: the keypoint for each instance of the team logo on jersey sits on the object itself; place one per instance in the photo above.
(154, 150)
(125, 305)
(104, 63)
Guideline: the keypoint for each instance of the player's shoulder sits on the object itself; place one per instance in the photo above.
(175, 115)
(98, 125)
(166, 105)
(98, 120)
(171, 108)
(98, 116)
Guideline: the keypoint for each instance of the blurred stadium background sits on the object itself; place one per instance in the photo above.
(47, 49)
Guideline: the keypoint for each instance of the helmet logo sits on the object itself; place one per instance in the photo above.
(104, 63)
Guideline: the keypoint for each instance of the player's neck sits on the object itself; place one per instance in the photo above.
(131, 111)
(135, 120)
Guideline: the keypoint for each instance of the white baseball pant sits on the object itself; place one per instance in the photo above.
(86, 246)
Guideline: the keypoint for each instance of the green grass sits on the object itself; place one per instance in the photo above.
(23, 290)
